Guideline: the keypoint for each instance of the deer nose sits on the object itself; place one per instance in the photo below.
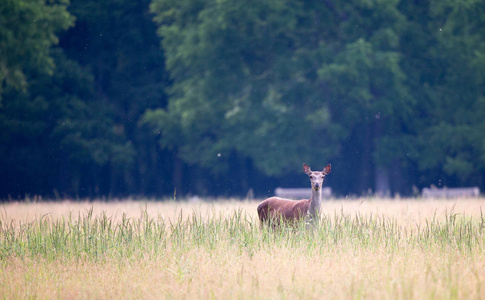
(317, 184)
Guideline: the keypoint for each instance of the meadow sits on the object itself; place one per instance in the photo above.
(362, 248)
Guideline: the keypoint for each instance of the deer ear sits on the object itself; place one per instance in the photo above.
(327, 169)
(306, 169)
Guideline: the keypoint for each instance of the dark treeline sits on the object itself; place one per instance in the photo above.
(145, 98)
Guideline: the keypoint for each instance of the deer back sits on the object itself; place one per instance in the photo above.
(275, 208)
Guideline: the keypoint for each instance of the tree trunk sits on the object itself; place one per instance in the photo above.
(382, 182)
(397, 180)
(381, 173)
(366, 158)
(178, 174)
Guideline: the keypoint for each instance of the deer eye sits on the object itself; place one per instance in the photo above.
(311, 177)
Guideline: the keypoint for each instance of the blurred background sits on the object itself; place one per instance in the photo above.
(144, 98)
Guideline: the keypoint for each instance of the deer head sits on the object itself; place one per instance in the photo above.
(316, 178)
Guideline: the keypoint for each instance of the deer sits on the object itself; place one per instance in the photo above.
(273, 210)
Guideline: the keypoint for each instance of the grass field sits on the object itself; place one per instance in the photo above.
(365, 248)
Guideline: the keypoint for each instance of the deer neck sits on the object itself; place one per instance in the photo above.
(315, 201)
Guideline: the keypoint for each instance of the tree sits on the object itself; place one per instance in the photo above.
(283, 82)
(449, 148)
(55, 139)
(117, 41)
(244, 82)
(28, 29)
(367, 91)
(59, 135)
(390, 92)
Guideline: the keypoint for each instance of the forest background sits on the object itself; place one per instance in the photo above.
(216, 98)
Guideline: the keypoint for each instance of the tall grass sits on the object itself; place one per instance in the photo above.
(97, 238)
(182, 251)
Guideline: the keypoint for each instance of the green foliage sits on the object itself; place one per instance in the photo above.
(390, 92)
(244, 81)
(284, 82)
(58, 122)
(452, 98)
(75, 128)
(117, 42)
(364, 73)
(28, 29)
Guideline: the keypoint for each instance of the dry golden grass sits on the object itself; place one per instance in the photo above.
(170, 210)
(343, 269)
(405, 211)
(336, 273)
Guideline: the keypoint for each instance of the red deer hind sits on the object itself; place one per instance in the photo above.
(275, 209)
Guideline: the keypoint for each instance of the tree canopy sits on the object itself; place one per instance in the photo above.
(28, 30)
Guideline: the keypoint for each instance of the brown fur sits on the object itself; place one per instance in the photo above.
(275, 209)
